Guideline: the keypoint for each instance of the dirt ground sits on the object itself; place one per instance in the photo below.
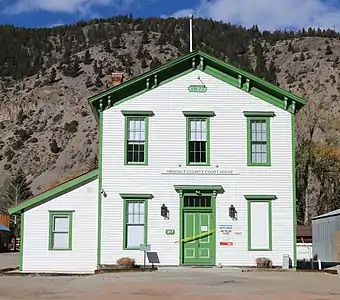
(9, 260)
(190, 284)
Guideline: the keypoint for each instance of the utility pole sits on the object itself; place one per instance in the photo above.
(190, 34)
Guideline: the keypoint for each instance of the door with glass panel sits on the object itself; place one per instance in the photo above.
(198, 246)
(135, 216)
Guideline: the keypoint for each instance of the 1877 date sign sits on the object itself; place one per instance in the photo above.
(197, 88)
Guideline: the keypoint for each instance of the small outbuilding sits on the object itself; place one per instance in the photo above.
(326, 237)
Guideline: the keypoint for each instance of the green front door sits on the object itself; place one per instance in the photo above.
(198, 246)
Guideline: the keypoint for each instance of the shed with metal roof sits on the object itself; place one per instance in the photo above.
(326, 236)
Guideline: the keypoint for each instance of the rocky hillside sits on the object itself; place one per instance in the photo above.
(47, 128)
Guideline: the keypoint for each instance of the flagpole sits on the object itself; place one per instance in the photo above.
(190, 34)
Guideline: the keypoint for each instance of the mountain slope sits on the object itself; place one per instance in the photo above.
(47, 128)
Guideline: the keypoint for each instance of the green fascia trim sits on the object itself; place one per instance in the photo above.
(142, 113)
(125, 222)
(191, 188)
(259, 113)
(268, 142)
(136, 196)
(188, 63)
(55, 192)
(260, 197)
(100, 181)
(270, 225)
(294, 190)
(22, 232)
(146, 146)
(53, 214)
(207, 163)
(199, 113)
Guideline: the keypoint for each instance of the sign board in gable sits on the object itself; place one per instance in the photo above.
(197, 88)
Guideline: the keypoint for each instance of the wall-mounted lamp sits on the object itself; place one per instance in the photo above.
(103, 193)
(164, 212)
(232, 212)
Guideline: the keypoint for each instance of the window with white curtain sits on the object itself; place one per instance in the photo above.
(135, 223)
(136, 140)
(198, 141)
(60, 230)
(258, 141)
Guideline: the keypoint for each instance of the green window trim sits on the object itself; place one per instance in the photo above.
(131, 198)
(198, 113)
(263, 199)
(261, 117)
(140, 116)
(62, 214)
(135, 113)
(206, 118)
(259, 114)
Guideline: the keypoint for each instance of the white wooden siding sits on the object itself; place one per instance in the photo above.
(83, 257)
(167, 136)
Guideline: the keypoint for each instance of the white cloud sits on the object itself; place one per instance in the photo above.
(270, 14)
(62, 6)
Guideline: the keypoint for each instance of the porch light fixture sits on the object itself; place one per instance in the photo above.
(164, 212)
(232, 212)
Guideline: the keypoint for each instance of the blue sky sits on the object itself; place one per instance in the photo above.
(268, 14)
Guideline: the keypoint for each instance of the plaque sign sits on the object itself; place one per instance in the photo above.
(198, 88)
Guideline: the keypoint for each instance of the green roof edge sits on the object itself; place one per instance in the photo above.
(54, 192)
(260, 82)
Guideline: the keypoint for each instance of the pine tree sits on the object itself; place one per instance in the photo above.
(145, 38)
(17, 191)
(302, 56)
(143, 63)
(290, 47)
(98, 83)
(140, 52)
(87, 58)
(271, 75)
(53, 75)
(107, 47)
(155, 63)
(76, 67)
(88, 82)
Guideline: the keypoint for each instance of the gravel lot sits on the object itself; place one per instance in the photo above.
(176, 283)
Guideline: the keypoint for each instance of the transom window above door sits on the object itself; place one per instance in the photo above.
(197, 201)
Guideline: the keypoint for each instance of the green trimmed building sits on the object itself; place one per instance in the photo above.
(196, 160)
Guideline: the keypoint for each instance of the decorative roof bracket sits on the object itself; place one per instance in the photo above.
(193, 63)
(155, 81)
(201, 63)
(109, 102)
(240, 81)
(293, 107)
(101, 104)
(285, 99)
(248, 85)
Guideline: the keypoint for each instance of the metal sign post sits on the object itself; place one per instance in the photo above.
(145, 248)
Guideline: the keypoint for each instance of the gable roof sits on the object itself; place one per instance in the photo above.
(59, 190)
(186, 64)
